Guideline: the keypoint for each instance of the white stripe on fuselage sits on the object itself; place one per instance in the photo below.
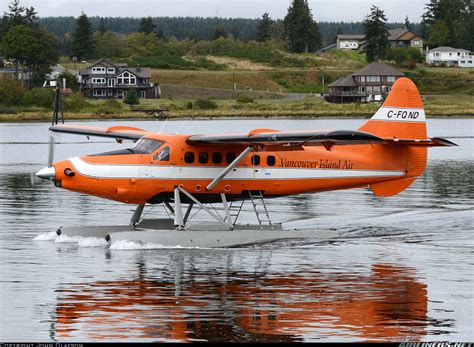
(120, 171)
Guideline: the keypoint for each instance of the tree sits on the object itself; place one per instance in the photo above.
(34, 49)
(102, 29)
(408, 24)
(439, 34)
(457, 17)
(219, 32)
(376, 35)
(300, 29)
(17, 15)
(146, 25)
(83, 43)
(132, 97)
(263, 28)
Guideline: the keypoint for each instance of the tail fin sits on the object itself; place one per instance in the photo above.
(401, 117)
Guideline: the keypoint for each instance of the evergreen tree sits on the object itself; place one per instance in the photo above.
(83, 43)
(263, 28)
(408, 24)
(439, 34)
(17, 15)
(132, 97)
(457, 16)
(146, 25)
(219, 32)
(102, 29)
(301, 30)
(376, 35)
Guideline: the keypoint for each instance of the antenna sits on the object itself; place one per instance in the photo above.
(162, 127)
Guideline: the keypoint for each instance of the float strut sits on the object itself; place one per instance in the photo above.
(178, 212)
(136, 215)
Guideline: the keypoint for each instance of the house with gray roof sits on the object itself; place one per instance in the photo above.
(398, 37)
(371, 83)
(106, 80)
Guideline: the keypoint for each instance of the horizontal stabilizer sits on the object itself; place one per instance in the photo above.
(430, 142)
(390, 188)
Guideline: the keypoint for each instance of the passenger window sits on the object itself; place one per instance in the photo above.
(271, 160)
(216, 157)
(164, 154)
(189, 157)
(203, 157)
(255, 159)
(230, 157)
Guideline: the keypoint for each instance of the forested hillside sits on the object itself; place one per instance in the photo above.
(197, 28)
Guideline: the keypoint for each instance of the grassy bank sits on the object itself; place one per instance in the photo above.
(435, 105)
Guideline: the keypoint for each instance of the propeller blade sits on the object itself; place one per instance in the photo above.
(51, 150)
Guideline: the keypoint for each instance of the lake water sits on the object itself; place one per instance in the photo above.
(402, 269)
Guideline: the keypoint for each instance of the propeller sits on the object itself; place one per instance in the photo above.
(49, 173)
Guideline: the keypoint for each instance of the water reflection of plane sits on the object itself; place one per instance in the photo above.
(388, 303)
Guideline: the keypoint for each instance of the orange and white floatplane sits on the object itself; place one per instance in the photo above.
(196, 171)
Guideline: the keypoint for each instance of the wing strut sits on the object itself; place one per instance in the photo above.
(229, 168)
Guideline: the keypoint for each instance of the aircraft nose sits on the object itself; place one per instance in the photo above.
(47, 173)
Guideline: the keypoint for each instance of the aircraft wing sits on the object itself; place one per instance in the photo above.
(289, 139)
(116, 132)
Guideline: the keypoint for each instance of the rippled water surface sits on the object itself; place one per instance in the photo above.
(402, 269)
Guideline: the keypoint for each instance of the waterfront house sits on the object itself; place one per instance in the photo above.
(371, 83)
(449, 56)
(106, 80)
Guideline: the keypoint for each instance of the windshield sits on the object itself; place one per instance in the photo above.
(144, 146)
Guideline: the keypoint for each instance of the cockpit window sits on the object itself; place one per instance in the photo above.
(164, 154)
(146, 146)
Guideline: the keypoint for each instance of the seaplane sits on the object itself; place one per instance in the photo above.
(184, 172)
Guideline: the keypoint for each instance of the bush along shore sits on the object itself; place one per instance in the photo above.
(77, 107)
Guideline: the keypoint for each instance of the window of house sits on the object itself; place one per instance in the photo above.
(142, 94)
(164, 154)
(230, 157)
(98, 69)
(255, 159)
(271, 160)
(369, 90)
(416, 43)
(390, 78)
(376, 90)
(98, 80)
(189, 157)
(110, 92)
(203, 157)
(216, 157)
(362, 78)
(98, 92)
(110, 70)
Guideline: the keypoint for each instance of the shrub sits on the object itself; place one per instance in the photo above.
(11, 92)
(243, 99)
(189, 105)
(71, 80)
(109, 106)
(75, 103)
(205, 104)
(42, 97)
(132, 97)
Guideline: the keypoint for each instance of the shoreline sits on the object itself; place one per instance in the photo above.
(41, 118)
